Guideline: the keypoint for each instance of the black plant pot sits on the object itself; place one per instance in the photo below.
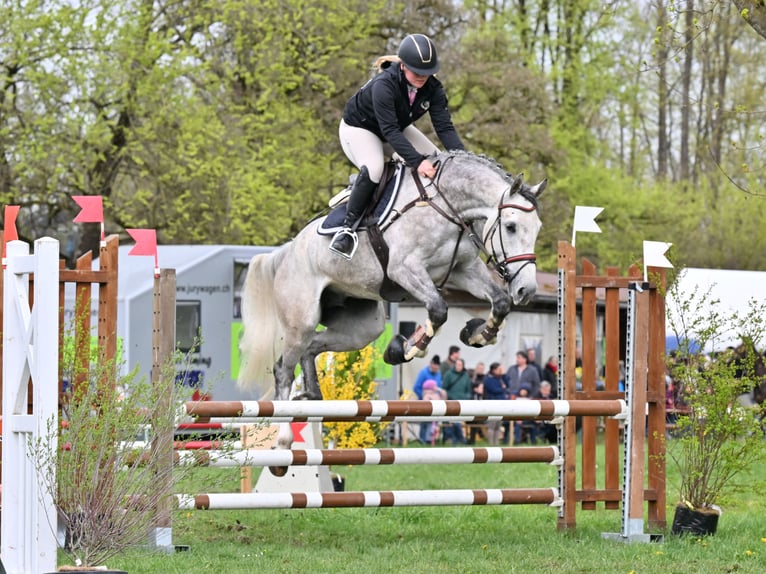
(695, 522)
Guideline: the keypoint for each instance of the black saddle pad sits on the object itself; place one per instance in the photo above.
(334, 220)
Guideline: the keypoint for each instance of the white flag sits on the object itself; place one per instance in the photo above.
(654, 255)
(585, 220)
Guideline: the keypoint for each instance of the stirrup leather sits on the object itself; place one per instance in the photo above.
(354, 238)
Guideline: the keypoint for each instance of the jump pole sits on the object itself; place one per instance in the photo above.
(385, 411)
(369, 499)
(369, 456)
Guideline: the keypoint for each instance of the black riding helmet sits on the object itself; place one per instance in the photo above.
(418, 53)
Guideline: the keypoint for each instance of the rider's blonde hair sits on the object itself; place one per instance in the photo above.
(384, 62)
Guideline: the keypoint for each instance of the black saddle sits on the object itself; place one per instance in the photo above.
(383, 201)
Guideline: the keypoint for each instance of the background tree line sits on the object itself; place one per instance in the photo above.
(215, 121)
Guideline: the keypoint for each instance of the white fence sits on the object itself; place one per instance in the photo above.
(30, 350)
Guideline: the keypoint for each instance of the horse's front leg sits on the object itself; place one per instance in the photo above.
(418, 284)
(477, 280)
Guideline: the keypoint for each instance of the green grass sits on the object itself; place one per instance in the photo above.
(502, 539)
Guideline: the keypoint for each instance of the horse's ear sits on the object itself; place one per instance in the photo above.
(517, 184)
(540, 187)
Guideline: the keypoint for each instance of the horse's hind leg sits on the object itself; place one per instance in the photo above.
(349, 328)
(284, 376)
(311, 390)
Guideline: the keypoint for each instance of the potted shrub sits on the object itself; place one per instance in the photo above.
(716, 434)
(107, 485)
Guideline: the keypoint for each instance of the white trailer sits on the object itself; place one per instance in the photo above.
(208, 325)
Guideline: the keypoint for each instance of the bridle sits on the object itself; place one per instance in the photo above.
(499, 265)
(502, 266)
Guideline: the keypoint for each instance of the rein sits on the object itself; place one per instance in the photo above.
(501, 267)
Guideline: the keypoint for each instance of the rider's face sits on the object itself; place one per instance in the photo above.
(415, 80)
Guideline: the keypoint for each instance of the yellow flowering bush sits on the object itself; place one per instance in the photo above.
(349, 376)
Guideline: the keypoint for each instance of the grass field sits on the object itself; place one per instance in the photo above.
(502, 539)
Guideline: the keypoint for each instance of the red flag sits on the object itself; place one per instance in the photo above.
(9, 225)
(92, 209)
(146, 244)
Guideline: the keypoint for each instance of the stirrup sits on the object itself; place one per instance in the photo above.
(354, 238)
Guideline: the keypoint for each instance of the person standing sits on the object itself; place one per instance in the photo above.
(520, 374)
(524, 427)
(551, 374)
(452, 356)
(457, 383)
(532, 362)
(477, 389)
(430, 430)
(431, 371)
(495, 389)
(545, 429)
(428, 373)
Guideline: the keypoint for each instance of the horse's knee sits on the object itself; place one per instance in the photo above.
(501, 307)
(437, 313)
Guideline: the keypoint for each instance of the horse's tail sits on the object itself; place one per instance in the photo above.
(262, 340)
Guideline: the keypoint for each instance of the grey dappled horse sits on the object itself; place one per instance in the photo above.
(471, 207)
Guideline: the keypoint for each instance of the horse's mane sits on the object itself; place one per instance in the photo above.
(495, 166)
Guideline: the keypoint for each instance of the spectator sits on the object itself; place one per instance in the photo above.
(528, 426)
(546, 430)
(551, 374)
(520, 374)
(457, 383)
(495, 389)
(477, 381)
(621, 384)
(532, 362)
(477, 388)
(430, 429)
(430, 371)
(452, 356)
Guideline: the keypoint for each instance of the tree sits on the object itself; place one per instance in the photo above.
(199, 119)
(754, 13)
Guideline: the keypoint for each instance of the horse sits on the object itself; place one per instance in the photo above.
(472, 228)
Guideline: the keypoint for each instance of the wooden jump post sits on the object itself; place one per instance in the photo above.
(646, 370)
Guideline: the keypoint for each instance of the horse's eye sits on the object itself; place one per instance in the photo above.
(510, 227)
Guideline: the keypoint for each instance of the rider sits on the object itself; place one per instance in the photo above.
(382, 112)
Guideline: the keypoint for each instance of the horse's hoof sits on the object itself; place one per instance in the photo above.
(467, 332)
(278, 471)
(394, 353)
(307, 396)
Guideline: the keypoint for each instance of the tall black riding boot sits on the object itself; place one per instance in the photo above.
(345, 241)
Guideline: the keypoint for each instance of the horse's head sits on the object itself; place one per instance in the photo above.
(510, 238)
(477, 188)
